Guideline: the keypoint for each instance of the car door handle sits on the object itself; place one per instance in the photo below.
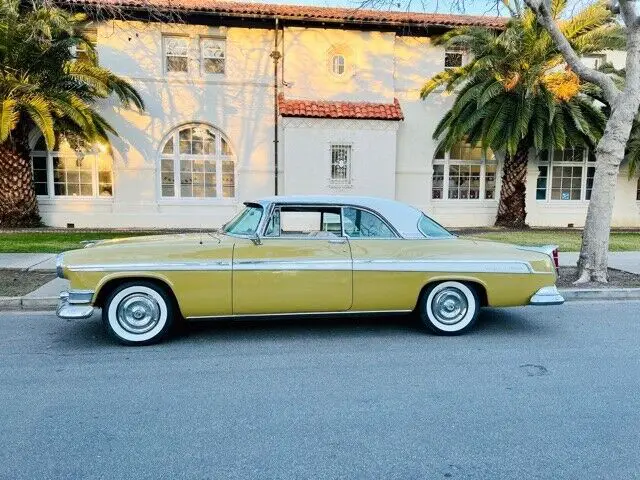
(338, 240)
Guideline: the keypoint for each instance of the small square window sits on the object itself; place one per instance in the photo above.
(453, 59)
(176, 54)
(213, 55)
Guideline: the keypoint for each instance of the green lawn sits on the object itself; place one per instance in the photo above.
(568, 240)
(54, 242)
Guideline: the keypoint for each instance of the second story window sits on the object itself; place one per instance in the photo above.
(340, 164)
(213, 55)
(453, 58)
(176, 54)
(338, 65)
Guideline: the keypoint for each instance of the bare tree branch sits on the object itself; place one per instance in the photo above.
(545, 18)
(628, 13)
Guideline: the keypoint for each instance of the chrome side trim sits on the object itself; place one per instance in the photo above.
(293, 314)
(454, 266)
(289, 264)
(142, 267)
(547, 296)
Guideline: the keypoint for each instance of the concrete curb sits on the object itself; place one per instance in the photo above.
(28, 303)
(612, 294)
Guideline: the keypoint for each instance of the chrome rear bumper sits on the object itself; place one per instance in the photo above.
(75, 304)
(547, 296)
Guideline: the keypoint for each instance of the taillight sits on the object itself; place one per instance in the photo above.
(556, 259)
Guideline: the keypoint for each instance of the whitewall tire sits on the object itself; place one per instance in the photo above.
(449, 308)
(138, 313)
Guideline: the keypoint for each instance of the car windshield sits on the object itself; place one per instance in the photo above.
(432, 229)
(246, 222)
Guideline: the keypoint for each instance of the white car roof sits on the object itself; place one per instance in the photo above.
(404, 218)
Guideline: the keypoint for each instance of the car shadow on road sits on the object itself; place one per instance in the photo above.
(491, 322)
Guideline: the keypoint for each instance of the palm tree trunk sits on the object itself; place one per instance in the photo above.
(18, 205)
(511, 209)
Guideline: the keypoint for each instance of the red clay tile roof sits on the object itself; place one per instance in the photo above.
(325, 109)
(299, 12)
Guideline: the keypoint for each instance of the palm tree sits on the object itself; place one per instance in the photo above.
(515, 95)
(44, 87)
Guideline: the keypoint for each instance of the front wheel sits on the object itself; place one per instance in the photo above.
(138, 313)
(449, 308)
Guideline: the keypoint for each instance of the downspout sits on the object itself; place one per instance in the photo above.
(276, 57)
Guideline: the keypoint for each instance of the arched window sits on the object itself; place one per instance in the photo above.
(196, 161)
(65, 172)
(464, 173)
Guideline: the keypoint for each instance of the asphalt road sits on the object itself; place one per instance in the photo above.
(530, 393)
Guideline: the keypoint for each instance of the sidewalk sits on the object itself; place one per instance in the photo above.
(29, 261)
(625, 261)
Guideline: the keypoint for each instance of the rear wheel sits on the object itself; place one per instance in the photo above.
(449, 308)
(138, 313)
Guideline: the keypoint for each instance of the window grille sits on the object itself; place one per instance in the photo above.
(341, 164)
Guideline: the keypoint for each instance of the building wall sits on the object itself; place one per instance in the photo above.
(390, 159)
(307, 153)
(239, 103)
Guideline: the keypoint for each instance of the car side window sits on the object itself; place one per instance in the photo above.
(362, 224)
(304, 222)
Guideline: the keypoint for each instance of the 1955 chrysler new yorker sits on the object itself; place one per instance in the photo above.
(303, 255)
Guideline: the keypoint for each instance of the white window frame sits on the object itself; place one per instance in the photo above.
(165, 54)
(447, 161)
(341, 183)
(175, 157)
(95, 180)
(220, 40)
(585, 164)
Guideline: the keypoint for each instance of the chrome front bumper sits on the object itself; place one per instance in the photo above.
(75, 304)
(547, 296)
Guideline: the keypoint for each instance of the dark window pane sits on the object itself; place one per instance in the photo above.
(41, 189)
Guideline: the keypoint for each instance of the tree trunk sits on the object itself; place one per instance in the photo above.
(511, 209)
(18, 205)
(593, 262)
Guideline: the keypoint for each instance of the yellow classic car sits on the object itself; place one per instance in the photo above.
(303, 255)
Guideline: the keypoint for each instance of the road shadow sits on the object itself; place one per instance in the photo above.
(491, 323)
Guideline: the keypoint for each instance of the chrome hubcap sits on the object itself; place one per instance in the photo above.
(449, 306)
(138, 313)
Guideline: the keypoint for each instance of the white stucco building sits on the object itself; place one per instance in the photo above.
(340, 113)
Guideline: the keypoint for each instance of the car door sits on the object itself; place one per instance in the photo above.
(302, 264)
(377, 250)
